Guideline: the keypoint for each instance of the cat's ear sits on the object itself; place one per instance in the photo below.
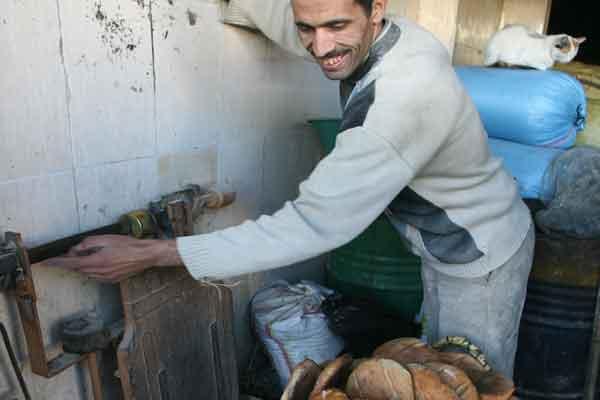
(580, 40)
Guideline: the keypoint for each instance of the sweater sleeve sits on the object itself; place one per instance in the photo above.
(346, 192)
(275, 19)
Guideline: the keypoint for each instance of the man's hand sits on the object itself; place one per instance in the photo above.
(112, 258)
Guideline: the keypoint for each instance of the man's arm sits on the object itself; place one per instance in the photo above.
(275, 19)
(112, 258)
(346, 192)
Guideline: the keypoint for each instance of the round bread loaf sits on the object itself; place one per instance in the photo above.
(380, 379)
(302, 381)
(456, 379)
(489, 384)
(467, 363)
(406, 351)
(428, 385)
(334, 375)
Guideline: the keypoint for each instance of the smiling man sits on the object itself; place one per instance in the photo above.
(411, 145)
(336, 33)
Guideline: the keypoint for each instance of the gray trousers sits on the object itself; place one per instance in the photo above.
(487, 310)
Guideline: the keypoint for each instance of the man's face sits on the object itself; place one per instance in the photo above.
(338, 33)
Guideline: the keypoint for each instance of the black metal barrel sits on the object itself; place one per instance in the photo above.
(556, 326)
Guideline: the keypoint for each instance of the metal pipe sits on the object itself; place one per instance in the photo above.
(13, 360)
(592, 367)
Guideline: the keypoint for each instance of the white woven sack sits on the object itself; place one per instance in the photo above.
(288, 321)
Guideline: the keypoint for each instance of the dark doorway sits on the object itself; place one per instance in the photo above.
(576, 18)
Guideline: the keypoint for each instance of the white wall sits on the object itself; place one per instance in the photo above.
(106, 104)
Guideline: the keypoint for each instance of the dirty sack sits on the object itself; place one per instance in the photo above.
(290, 324)
(574, 180)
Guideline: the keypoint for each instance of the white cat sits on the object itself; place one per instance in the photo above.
(516, 45)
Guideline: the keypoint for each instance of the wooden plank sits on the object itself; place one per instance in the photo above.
(440, 18)
(476, 22)
(179, 339)
(437, 16)
(404, 8)
(532, 13)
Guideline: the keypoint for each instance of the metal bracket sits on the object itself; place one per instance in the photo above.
(16, 266)
(176, 212)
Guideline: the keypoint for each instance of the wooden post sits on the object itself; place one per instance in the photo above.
(437, 16)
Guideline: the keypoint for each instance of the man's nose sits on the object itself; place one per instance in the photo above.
(323, 43)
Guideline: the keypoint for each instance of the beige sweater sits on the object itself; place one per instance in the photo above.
(412, 145)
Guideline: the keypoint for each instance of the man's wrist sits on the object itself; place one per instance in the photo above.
(163, 253)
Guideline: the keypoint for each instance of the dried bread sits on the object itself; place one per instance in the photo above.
(428, 385)
(380, 379)
(334, 375)
(456, 379)
(302, 381)
(406, 351)
(489, 384)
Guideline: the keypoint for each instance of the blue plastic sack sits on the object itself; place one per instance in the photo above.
(538, 108)
(528, 165)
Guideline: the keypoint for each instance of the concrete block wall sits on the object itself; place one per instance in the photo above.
(106, 104)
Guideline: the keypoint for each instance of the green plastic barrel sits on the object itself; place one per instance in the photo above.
(376, 265)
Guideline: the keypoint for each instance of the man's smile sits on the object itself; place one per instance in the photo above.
(335, 62)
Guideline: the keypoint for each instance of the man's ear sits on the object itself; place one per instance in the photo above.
(378, 10)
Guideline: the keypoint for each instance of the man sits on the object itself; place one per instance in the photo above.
(412, 145)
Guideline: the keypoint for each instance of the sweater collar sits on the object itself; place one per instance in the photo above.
(387, 38)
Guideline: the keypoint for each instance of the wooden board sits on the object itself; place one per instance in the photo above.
(477, 21)
(437, 16)
(178, 341)
(532, 13)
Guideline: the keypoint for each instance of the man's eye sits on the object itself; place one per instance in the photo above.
(304, 28)
(338, 27)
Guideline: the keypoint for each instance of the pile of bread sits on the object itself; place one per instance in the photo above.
(402, 369)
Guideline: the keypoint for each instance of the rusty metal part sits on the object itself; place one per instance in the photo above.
(186, 206)
(180, 218)
(86, 334)
(95, 377)
(26, 299)
(14, 362)
(140, 224)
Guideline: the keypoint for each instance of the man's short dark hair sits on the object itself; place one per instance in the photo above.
(366, 4)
